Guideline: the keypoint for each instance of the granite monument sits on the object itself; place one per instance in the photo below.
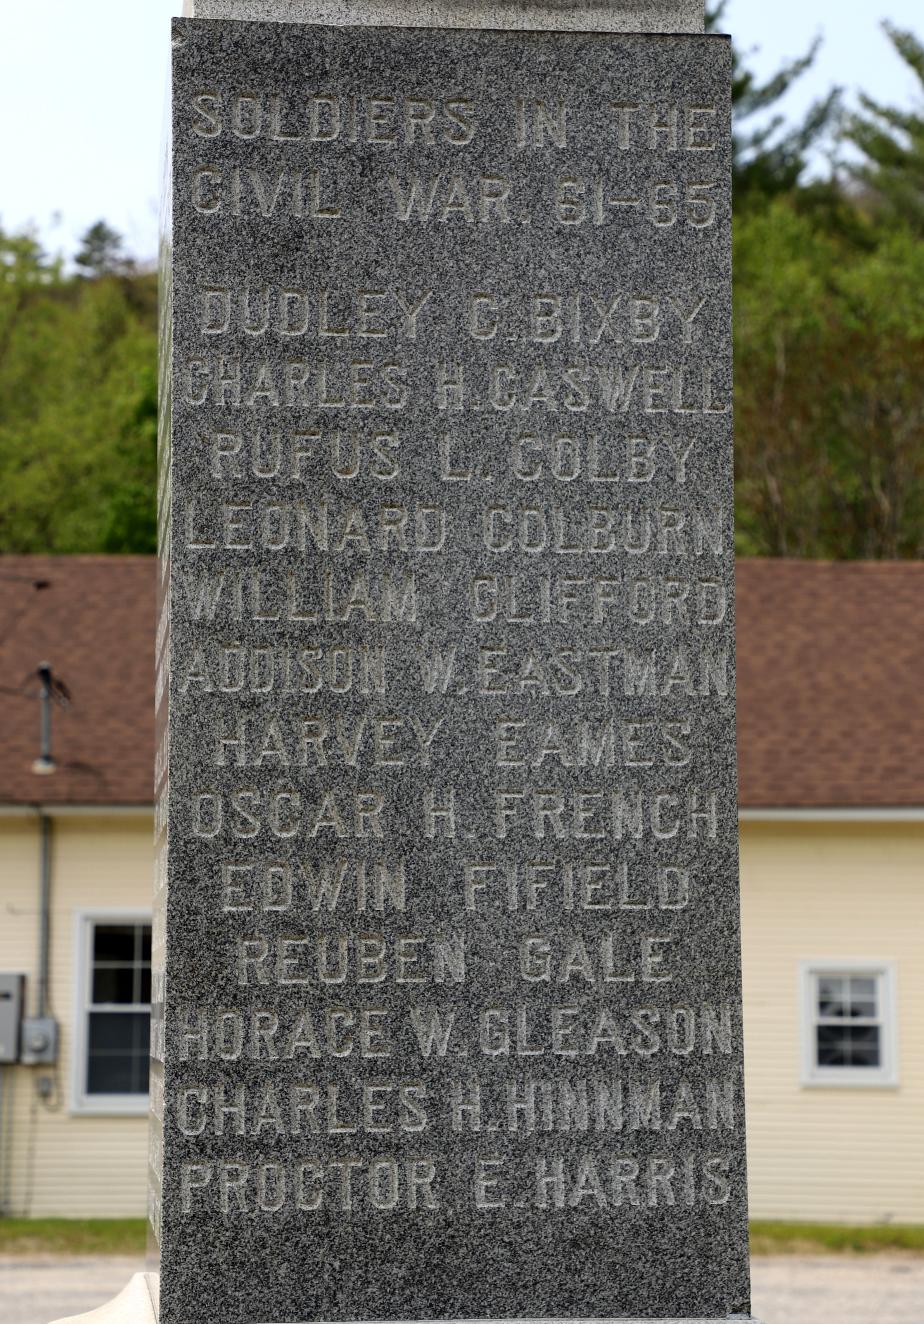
(449, 1011)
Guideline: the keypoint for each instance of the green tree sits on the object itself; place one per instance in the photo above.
(102, 252)
(892, 143)
(77, 407)
(829, 344)
(770, 157)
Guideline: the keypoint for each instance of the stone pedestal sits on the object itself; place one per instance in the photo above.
(644, 16)
(448, 1016)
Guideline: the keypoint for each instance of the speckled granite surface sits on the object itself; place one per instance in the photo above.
(560, 15)
(452, 1001)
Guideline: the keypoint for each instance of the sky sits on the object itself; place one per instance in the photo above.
(82, 92)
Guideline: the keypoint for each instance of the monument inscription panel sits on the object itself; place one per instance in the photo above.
(452, 1007)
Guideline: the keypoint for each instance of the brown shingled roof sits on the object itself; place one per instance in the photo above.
(830, 680)
(831, 683)
(94, 625)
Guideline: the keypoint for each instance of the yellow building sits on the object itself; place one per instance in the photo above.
(831, 784)
(73, 1127)
(831, 742)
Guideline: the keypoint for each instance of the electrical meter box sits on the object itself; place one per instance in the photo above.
(11, 987)
(39, 1041)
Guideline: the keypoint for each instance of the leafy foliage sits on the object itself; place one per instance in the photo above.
(830, 391)
(78, 407)
(829, 349)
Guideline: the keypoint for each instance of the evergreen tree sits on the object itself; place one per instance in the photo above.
(102, 252)
(769, 159)
(892, 143)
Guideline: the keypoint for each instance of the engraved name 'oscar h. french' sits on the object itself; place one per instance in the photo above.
(448, 1013)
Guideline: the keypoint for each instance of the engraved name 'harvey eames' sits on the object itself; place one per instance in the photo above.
(387, 740)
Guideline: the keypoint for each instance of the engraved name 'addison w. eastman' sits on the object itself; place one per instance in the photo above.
(484, 670)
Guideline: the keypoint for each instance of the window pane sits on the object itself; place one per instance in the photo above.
(848, 1046)
(863, 997)
(833, 1046)
(865, 1046)
(114, 984)
(117, 1058)
(145, 992)
(832, 996)
(114, 942)
(146, 942)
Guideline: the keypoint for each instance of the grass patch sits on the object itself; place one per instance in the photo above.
(835, 1239)
(72, 1236)
(127, 1236)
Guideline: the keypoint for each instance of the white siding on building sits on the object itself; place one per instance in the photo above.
(810, 891)
(55, 1162)
(814, 891)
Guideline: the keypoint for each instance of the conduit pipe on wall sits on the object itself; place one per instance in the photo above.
(44, 825)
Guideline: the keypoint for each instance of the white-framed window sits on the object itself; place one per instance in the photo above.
(112, 1011)
(848, 1023)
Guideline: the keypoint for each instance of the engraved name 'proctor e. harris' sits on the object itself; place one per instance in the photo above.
(448, 1014)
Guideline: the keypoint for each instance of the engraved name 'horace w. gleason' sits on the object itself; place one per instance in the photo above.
(451, 1020)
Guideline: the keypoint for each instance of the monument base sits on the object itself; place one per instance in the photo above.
(137, 1304)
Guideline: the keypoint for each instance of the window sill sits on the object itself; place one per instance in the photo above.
(848, 1081)
(110, 1105)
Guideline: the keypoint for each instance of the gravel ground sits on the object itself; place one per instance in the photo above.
(837, 1289)
(797, 1289)
(35, 1291)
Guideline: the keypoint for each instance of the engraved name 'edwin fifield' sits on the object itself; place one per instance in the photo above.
(452, 1006)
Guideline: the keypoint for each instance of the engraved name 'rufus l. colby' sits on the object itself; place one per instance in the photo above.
(448, 999)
